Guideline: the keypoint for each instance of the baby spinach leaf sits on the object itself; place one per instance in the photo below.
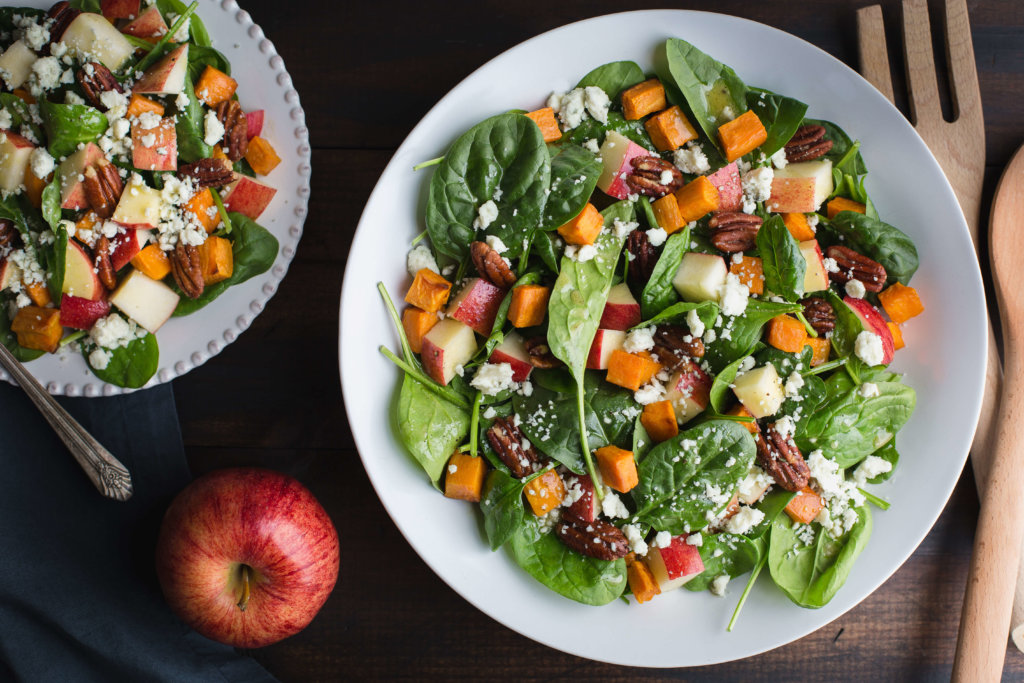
(591, 129)
(744, 331)
(812, 574)
(658, 294)
(543, 245)
(56, 257)
(725, 554)
(784, 265)
(677, 475)
(7, 15)
(254, 250)
(67, 125)
(430, 427)
(506, 153)
(713, 91)
(642, 441)
(200, 57)
(676, 314)
(565, 571)
(888, 453)
(10, 339)
(847, 327)
(879, 241)
(87, 6)
(785, 362)
(502, 507)
(196, 29)
(845, 152)
(720, 386)
(574, 174)
(129, 366)
(613, 78)
(190, 128)
(20, 114)
(772, 505)
(781, 116)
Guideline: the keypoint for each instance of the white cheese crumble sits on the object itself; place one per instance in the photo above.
(657, 236)
(718, 585)
(581, 254)
(485, 215)
(613, 507)
(418, 258)
(839, 496)
(496, 244)
(868, 348)
(785, 426)
(597, 103)
(695, 324)
(868, 390)
(493, 378)
(99, 359)
(662, 539)
(757, 183)
(831, 265)
(779, 159)
(734, 296)
(695, 540)
(591, 146)
(744, 520)
(652, 392)
(41, 163)
(639, 340)
(622, 230)
(855, 289)
(794, 383)
(213, 128)
(635, 538)
(691, 159)
(113, 332)
(756, 482)
(870, 468)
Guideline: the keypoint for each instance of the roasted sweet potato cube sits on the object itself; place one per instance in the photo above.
(659, 419)
(820, 349)
(216, 259)
(202, 206)
(39, 293)
(545, 493)
(742, 135)
(584, 228)
(261, 156)
(641, 581)
(643, 99)
(897, 335)
(529, 305)
(805, 506)
(901, 302)
(739, 411)
(670, 129)
(697, 199)
(618, 468)
(429, 291)
(34, 187)
(139, 105)
(215, 86)
(153, 262)
(464, 477)
(750, 271)
(786, 333)
(667, 213)
(38, 328)
(545, 120)
(630, 370)
(843, 204)
(798, 226)
(417, 323)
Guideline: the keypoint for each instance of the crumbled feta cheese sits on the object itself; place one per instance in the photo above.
(812, 220)
(718, 585)
(496, 244)
(45, 74)
(418, 258)
(35, 36)
(868, 348)
(571, 108)
(213, 128)
(779, 159)
(657, 236)
(756, 482)
(870, 468)
(652, 392)
(785, 426)
(591, 145)
(597, 103)
(744, 520)
(691, 159)
(149, 120)
(695, 539)
(635, 538)
(622, 230)
(490, 413)
(695, 324)
(868, 390)
(855, 289)
(452, 469)
(113, 332)
(493, 378)
(99, 359)
(638, 340)
(662, 539)
(41, 162)
(612, 506)
(734, 296)
(757, 183)
(794, 383)
(839, 496)
(485, 215)
(582, 253)
(831, 265)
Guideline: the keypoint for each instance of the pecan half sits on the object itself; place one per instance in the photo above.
(236, 129)
(9, 237)
(491, 266)
(95, 80)
(654, 177)
(808, 143)
(819, 314)
(507, 441)
(208, 172)
(645, 256)
(779, 457)
(61, 14)
(187, 270)
(540, 354)
(101, 260)
(598, 539)
(854, 266)
(103, 187)
(734, 231)
(675, 346)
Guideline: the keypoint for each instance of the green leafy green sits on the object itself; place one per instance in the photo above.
(613, 78)
(658, 294)
(129, 366)
(20, 114)
(189, 127)
(781, 116)
(719, 394)
(198, 35)
(430, 427)
(744, 331)
(87, 6)
(784, 266)
(676, 314)
(68, 125)
(592, 129)
(7, 15)
(879, 241)
(502, 507)
(772, 505)
(725, 554)
(845, 153)
(56, 263)
(888, 453)
(201, 57)
(574, 174)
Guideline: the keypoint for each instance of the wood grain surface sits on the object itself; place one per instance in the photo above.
(367, 72)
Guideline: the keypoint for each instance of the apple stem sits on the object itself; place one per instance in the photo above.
(244, 600)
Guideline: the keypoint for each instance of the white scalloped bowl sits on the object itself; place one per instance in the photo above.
(190, 341)
(944, 359)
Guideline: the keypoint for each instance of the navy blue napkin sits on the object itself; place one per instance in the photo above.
(79, 600)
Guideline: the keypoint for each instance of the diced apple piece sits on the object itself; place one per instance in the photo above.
(753, 486)
(91, 37)
(700, 277)
(80, 278)
(248, 197)
(9, 274)
(139, 206)
(155, 149)
(146, 301)
(15, 151)
(873, 322)
(166, 77)
(125, 246)
(587, 507)
(149, 25)
(254, 122)
(448, 345)
(675, 565)
(16, 64)
(815, 277)
(689, 390)
(617, 154)
(801, 187)
(120, 9)
(760, 391)
(477, 305)
(81, 314)
(605, 343)
(730, 189)
(512, 350)
(621, 310)
(72, 173)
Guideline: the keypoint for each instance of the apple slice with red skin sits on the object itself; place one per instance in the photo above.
(621, 310)
(82, 314)
(675, 565)
(601, 349)
(80, 278)
(617, 154)
(477, 305)
(447, 345)
(15, 151)
(248, 197)
(730, 188)
(689, 390)
(512, 350)
(254, 123)
(120, 9)
(162, 154)
(816, 276)
(149, 25)
(246, 556)
(70, 172)
(875, 323)
(166, 77)
(9, 274)
(586, 507)
(801, 187)
(126, 245)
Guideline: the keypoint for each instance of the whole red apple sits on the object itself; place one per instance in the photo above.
(246, 556)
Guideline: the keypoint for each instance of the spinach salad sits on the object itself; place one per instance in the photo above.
(128, 180)
(648, 333)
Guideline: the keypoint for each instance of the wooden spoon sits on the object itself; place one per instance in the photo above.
(985, 620)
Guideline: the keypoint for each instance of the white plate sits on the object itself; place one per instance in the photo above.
(944, 359)
(188, 342)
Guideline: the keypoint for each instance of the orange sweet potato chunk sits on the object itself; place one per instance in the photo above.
(215, 86)
(618, 468)
(820, 349)
(787, 334)
(667, 213)
(464, 477)
(417, 323)
(742, 135)
(901, 302)
(262, 156)
(641, 581)
(750, 271)
(139, 105)
(201, 206)
(805, 506)
(545, 493)
(629, 370)
(38, 328)
(529, 305)
(739, 411)
(429, 291)
(584, 228)
(843, 204)
(897, 335)
(659, 419)
(153, 262)
(643, 99)
(545, 120)
(697, 199)
(798, 226)
(34, 187)
(39, 294)
(670, 129)
(217, 259)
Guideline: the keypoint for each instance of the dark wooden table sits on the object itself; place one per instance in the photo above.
(367, 72)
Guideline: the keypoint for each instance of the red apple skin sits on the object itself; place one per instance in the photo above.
(150, 158)
(730, 189)
(81, 314)
(681, 558)
(618, 187)
(477, 305)
(120, 9)
(874, 322)
(248, 197)
(262, 519)
(621, 310)
(126, 246)
(254, 121)
(149, 24)
(792, 195)
(521, 368)
(587, 506)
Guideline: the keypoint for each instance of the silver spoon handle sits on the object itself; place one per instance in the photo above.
(105, 471)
